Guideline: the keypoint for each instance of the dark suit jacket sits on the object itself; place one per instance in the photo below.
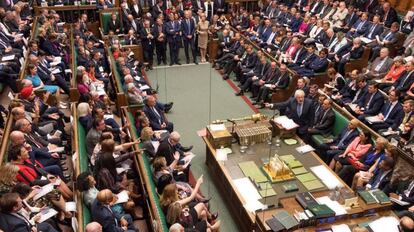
(375, 104)
(404, 82)
(171, 29)
(319, 65)
(384, 182)
(135, 13)
(363, 28)
(325, 122)
(146, 42)
(11, 223)
(347, 140)
(351, 19)
(392, 38)
(281, 80)
(113, 26)
(396, 115)
(166, 150)
(305, 119)
(250, 61)
(391, 17)
(264, 35)
(105, 217)
(188, 31)
(378, 30)
(155, 120)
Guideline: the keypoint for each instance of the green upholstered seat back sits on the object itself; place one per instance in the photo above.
(340, 123)
(106, 17)
(84, 166)
(153, 189)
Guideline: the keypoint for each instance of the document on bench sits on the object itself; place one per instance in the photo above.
(7, 58)
(366, 40)
(374, 119)
(286, 122)
(122, 197)
(217, 127)
(70, 206)
(305, 149)
(46, 213)
(327, 177)
(249, 193)
(43, 191)
(353, 106)
(399, 202)
(187, 159)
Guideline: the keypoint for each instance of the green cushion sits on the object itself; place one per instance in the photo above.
(1, 87)
(115, 72)
(340, 123)
(106, 17)
(148, 172)
(84, 166)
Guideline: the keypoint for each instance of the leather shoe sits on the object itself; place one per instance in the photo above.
(195, 62)
(187, 149)
(225, 77)
(178, 63)
(240, 93)
(168, 106)
(171, 64)
(188, 61)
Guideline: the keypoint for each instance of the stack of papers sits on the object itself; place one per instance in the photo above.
(327, 177)
(187, 159)
(305, 149)
(389, 224)
(7, 58)
(249, 193)
(286, 122)
(341, 228)
(353, 106)
(309, 181)
(334, 205)
(43, 191)
(374, 119)
(217, 127)
(46, 213)
(122, 197)
(366, 40)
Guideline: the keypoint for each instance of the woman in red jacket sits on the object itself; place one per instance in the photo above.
(32, 172)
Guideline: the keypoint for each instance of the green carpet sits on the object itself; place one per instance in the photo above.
(200, 96)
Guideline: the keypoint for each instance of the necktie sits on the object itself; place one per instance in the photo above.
(157, 114)
(360, 25)
(409, 189)
(189, 28)
(372, 31)
(390, 107)
(369, 102)
(341, 142)
(299, 109)
(405, 79)
(388, 36)
(269, 40)
(379, 66)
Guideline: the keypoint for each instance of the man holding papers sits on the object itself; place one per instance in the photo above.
(299, 109)
(390, 116)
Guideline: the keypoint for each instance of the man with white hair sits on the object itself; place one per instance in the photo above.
(177, 227)
(299, 109)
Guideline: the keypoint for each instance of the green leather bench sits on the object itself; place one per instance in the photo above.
(105, 17)
(84, 166)
(340, 123)
(148, 172)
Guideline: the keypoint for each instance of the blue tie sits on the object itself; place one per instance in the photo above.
(341, 142)
(299, 109)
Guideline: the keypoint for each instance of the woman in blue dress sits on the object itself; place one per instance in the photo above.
(37, 82)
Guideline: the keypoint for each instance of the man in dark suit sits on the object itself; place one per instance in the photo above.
(274, 80)
(132, 24)
(360, 27)
(316, 7)
(386, 39)
(12, 220)
(188, 31)
(335, 146)
(156, 116)
(102, 213)
(391, 113)
(371, 103)
(114, 24)
(388, 14)
(136, 9)
(299, 109)
(317, 65)
(350, 19)
(249, 78)
(220, 6)
(348, 52)
(173, 31)
(157, 9)
(147, 40)
(160, 41)
(383, 176)
(404, 82)
(246, 64)
(375, 28)
(324, 121)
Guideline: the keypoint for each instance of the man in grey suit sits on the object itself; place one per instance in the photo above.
(380, 66)
(94, 134)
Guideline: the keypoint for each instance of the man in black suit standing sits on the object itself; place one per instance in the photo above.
(188, 28)
(160, 41)
(147, 40)
(220, 6)
(12, 220)
(299, 109)
(173, 31)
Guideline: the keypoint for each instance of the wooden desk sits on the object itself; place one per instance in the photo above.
(224, 173)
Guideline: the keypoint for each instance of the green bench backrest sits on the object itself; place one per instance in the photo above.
(84, 166)
(148, 172)
(340, 123)
(106, 18)
(115, 72)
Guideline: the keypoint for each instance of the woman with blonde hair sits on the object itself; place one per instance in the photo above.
(202, 30)
(8, 177)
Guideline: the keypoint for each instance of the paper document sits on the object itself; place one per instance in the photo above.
(319, 46)
(402, 203)
(155, 144)
(217, 127)
(327, 177)
(70, 206)
(286, 122)
(374, 119)
(334, 205)
(122, 197)
(305, 149)
(46, 214)
(43, 191)
(221, 154)
(353, 106)
(56, 71)
(7, 58)
(246, 189)
(389, 224)
(268, 85)
(57, 150)
(144, 87)
(187, 159)
(254, 205)
(366, 40)
(341, 228)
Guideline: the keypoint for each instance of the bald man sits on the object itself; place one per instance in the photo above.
(93, 227)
